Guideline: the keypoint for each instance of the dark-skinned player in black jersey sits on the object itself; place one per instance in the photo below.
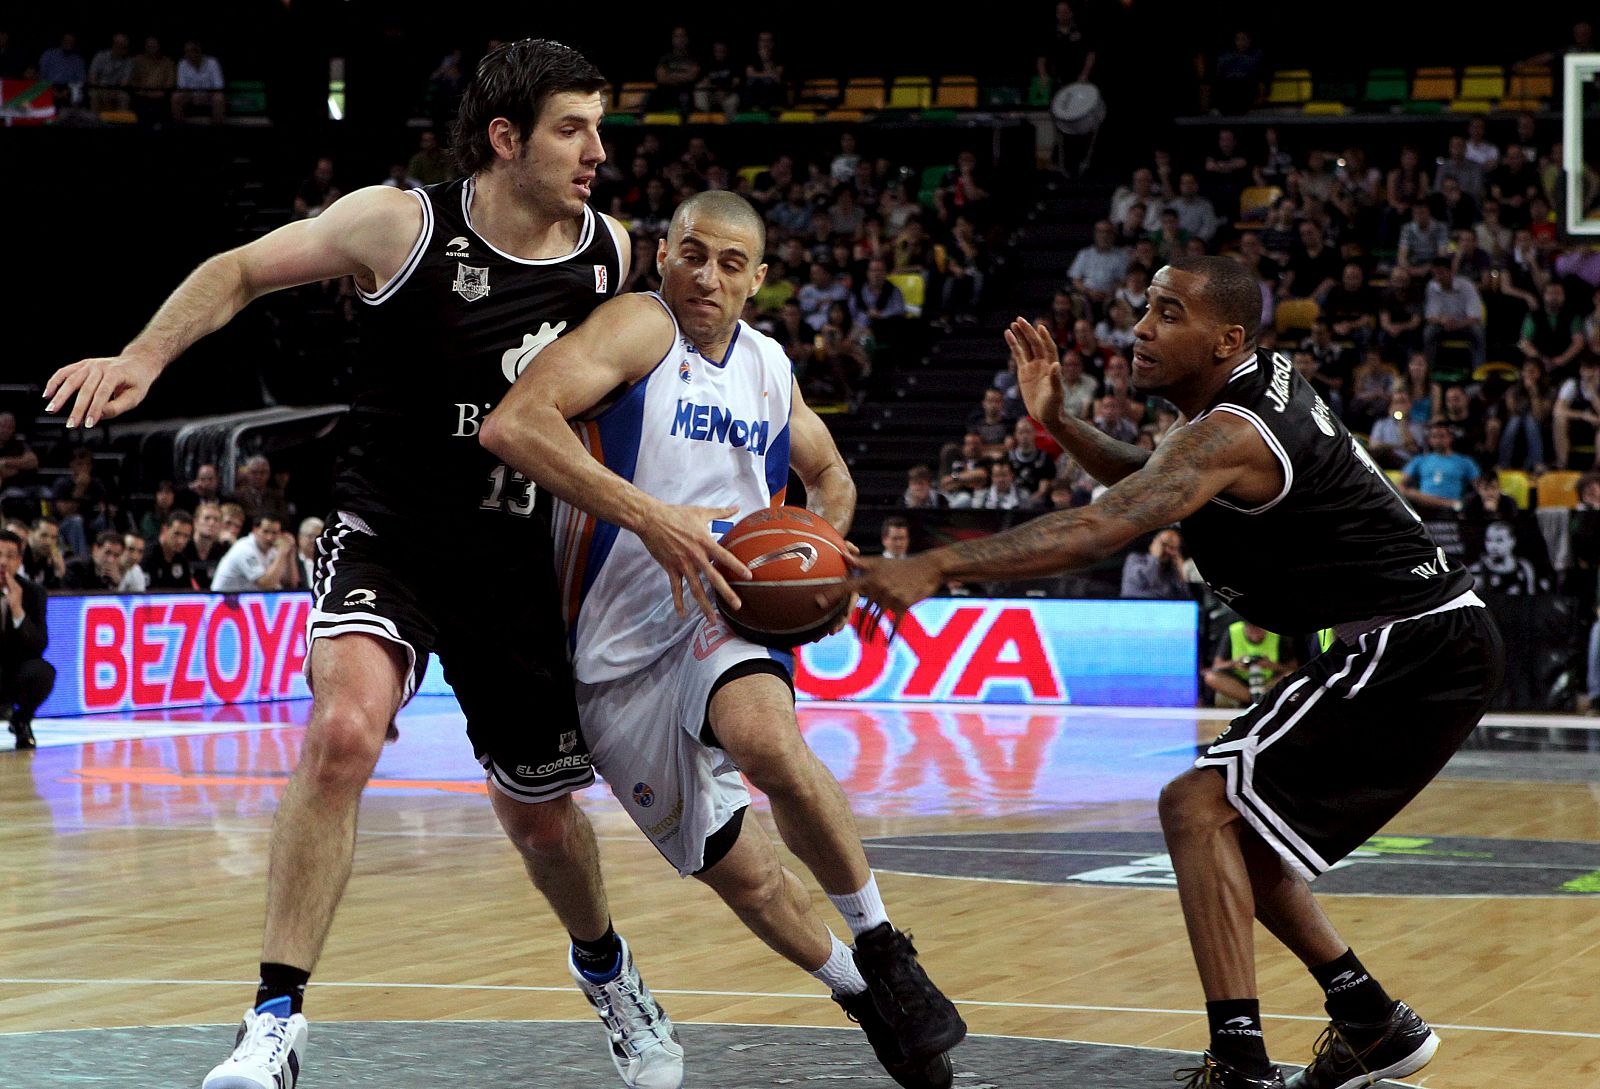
(1293, 525)
(462, 284)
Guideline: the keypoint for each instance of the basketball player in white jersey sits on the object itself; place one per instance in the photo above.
(460, 282)
(686, 415)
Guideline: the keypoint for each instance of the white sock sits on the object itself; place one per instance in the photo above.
(862, 909)
(839, 971)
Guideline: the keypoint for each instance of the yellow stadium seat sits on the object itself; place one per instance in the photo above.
(1257, 200)
(797, 117)
(1470, 105)
(633, 96)
(1515, 483)
(1396, 476)
(914, 286)
(1559, 489)
(821, 93)
(1326, 109)
(1520, 105)
(1533, 82)
(663, 118)
(1290, 87)
(751, 173)
(911, 93)
(1483, 81)
(852, 116)
(956, 93)
(708, 118)
(865, 93)
(1491, 369)
(1294, 314)
(1434, 85)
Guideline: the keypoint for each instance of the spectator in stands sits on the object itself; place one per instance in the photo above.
(1311, 370)
(1314, 180)
(966, 265)
(1456, 208)
(1463, 414)
(1313, 269)
(1398, 436)
(1494, 237)
(1069, 56)
(79, 501)
(204, 488)
(1196, 215)
(846, 216)
(399, 179)
(1351, 308)
(234, 518)
(1134, 225)
(166, 559)
(792, 215)
(816, 296)
(1423, 240)
(1095, 354)
(842, 167)
(1577, 415)
(25, 677)
(1118, 382)
(913, 249)
(1439, 479)
(110, 75)
(1456, 165)
(63, 66)
(1274, 164)
(1158, 572)
(718, 88)
(1247, 661)
(1140, 190)
(1226, 174)
(1417, 381)
(677, 72)
(895, 537)
(306, 547)
(200, 84)
(101, 569)
(878, 302)
(134, 579)
(153, 79)
(1098, 269)
(1032, 468)
(991, 422)
(255, 488)
(263, 559)
(1470, 262)
(1400, 312)
(1500, 570)
(1486, 505)
(1452, 309)
(18, 462)
(920, 493)
(1552, 334)
(1110, 416)
(1135, 289)
(206, 548)
(46, 563)
(1514, 183)
(1522, 444)
(1169, 240)
(430, 164)
(1479, 148)
(164, 503)
(764, 87)
(1117, 328)
(1583, 546)
(965, 469)
(1078, 390)
(1002, 492)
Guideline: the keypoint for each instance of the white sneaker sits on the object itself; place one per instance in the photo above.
(265, 1056)
(644, 1045)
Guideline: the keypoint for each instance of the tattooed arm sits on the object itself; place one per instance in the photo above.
(1221, 453)
(1039, 378)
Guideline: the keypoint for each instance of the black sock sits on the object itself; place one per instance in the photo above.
(1352, 994)
(279, 982)
(1236, 1037)
(601, 957)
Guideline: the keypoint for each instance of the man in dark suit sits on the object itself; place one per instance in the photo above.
(25, 677)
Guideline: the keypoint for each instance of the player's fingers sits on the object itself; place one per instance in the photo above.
(720, 585)
(851, 549)
(707, 606)
(677, 593)
(97, 405)
(730, 563)
(85, 397)
(1046, 341)
(57, 380)
(68, 379)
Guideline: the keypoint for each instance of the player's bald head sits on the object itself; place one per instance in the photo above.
(720, 206)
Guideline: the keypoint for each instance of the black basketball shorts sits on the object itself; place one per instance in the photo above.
(1334, 750)
(496, 625)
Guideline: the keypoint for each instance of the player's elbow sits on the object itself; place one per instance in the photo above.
(496, 435)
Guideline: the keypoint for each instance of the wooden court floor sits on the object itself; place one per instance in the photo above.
(132, 875)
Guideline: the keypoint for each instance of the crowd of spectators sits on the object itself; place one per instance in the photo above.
(150, 83)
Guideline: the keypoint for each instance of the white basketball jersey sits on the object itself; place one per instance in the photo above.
(693, 432)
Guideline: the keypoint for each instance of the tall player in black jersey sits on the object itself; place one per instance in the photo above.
(1293, 525)
(463, 283)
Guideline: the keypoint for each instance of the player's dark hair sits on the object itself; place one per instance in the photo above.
(1231, 292)
(514, 81)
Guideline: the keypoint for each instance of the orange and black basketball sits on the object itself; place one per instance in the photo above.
(792, 554)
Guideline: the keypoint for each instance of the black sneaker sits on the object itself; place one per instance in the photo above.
(1213, 1073)
(23, 729)
(932, 1073)
(1348, 1054)
(924, 1022)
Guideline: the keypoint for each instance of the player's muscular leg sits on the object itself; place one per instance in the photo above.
(753, 718)
(1203, 837)
(769, 899)
(558, 850)
(1285, 906)
(357, 683)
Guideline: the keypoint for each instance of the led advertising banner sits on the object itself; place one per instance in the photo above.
(120, 653)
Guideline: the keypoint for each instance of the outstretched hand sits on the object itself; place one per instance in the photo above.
(679, 538)
(891, 587)
(100, 389)
(1038, 369)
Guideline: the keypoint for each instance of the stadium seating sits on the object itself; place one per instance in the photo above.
(956, 93)
(1289, 87)
(1559, 489)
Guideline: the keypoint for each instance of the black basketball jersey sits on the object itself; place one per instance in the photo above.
(1338, 544)
(441, 344)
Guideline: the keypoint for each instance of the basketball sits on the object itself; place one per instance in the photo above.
(792, 554)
